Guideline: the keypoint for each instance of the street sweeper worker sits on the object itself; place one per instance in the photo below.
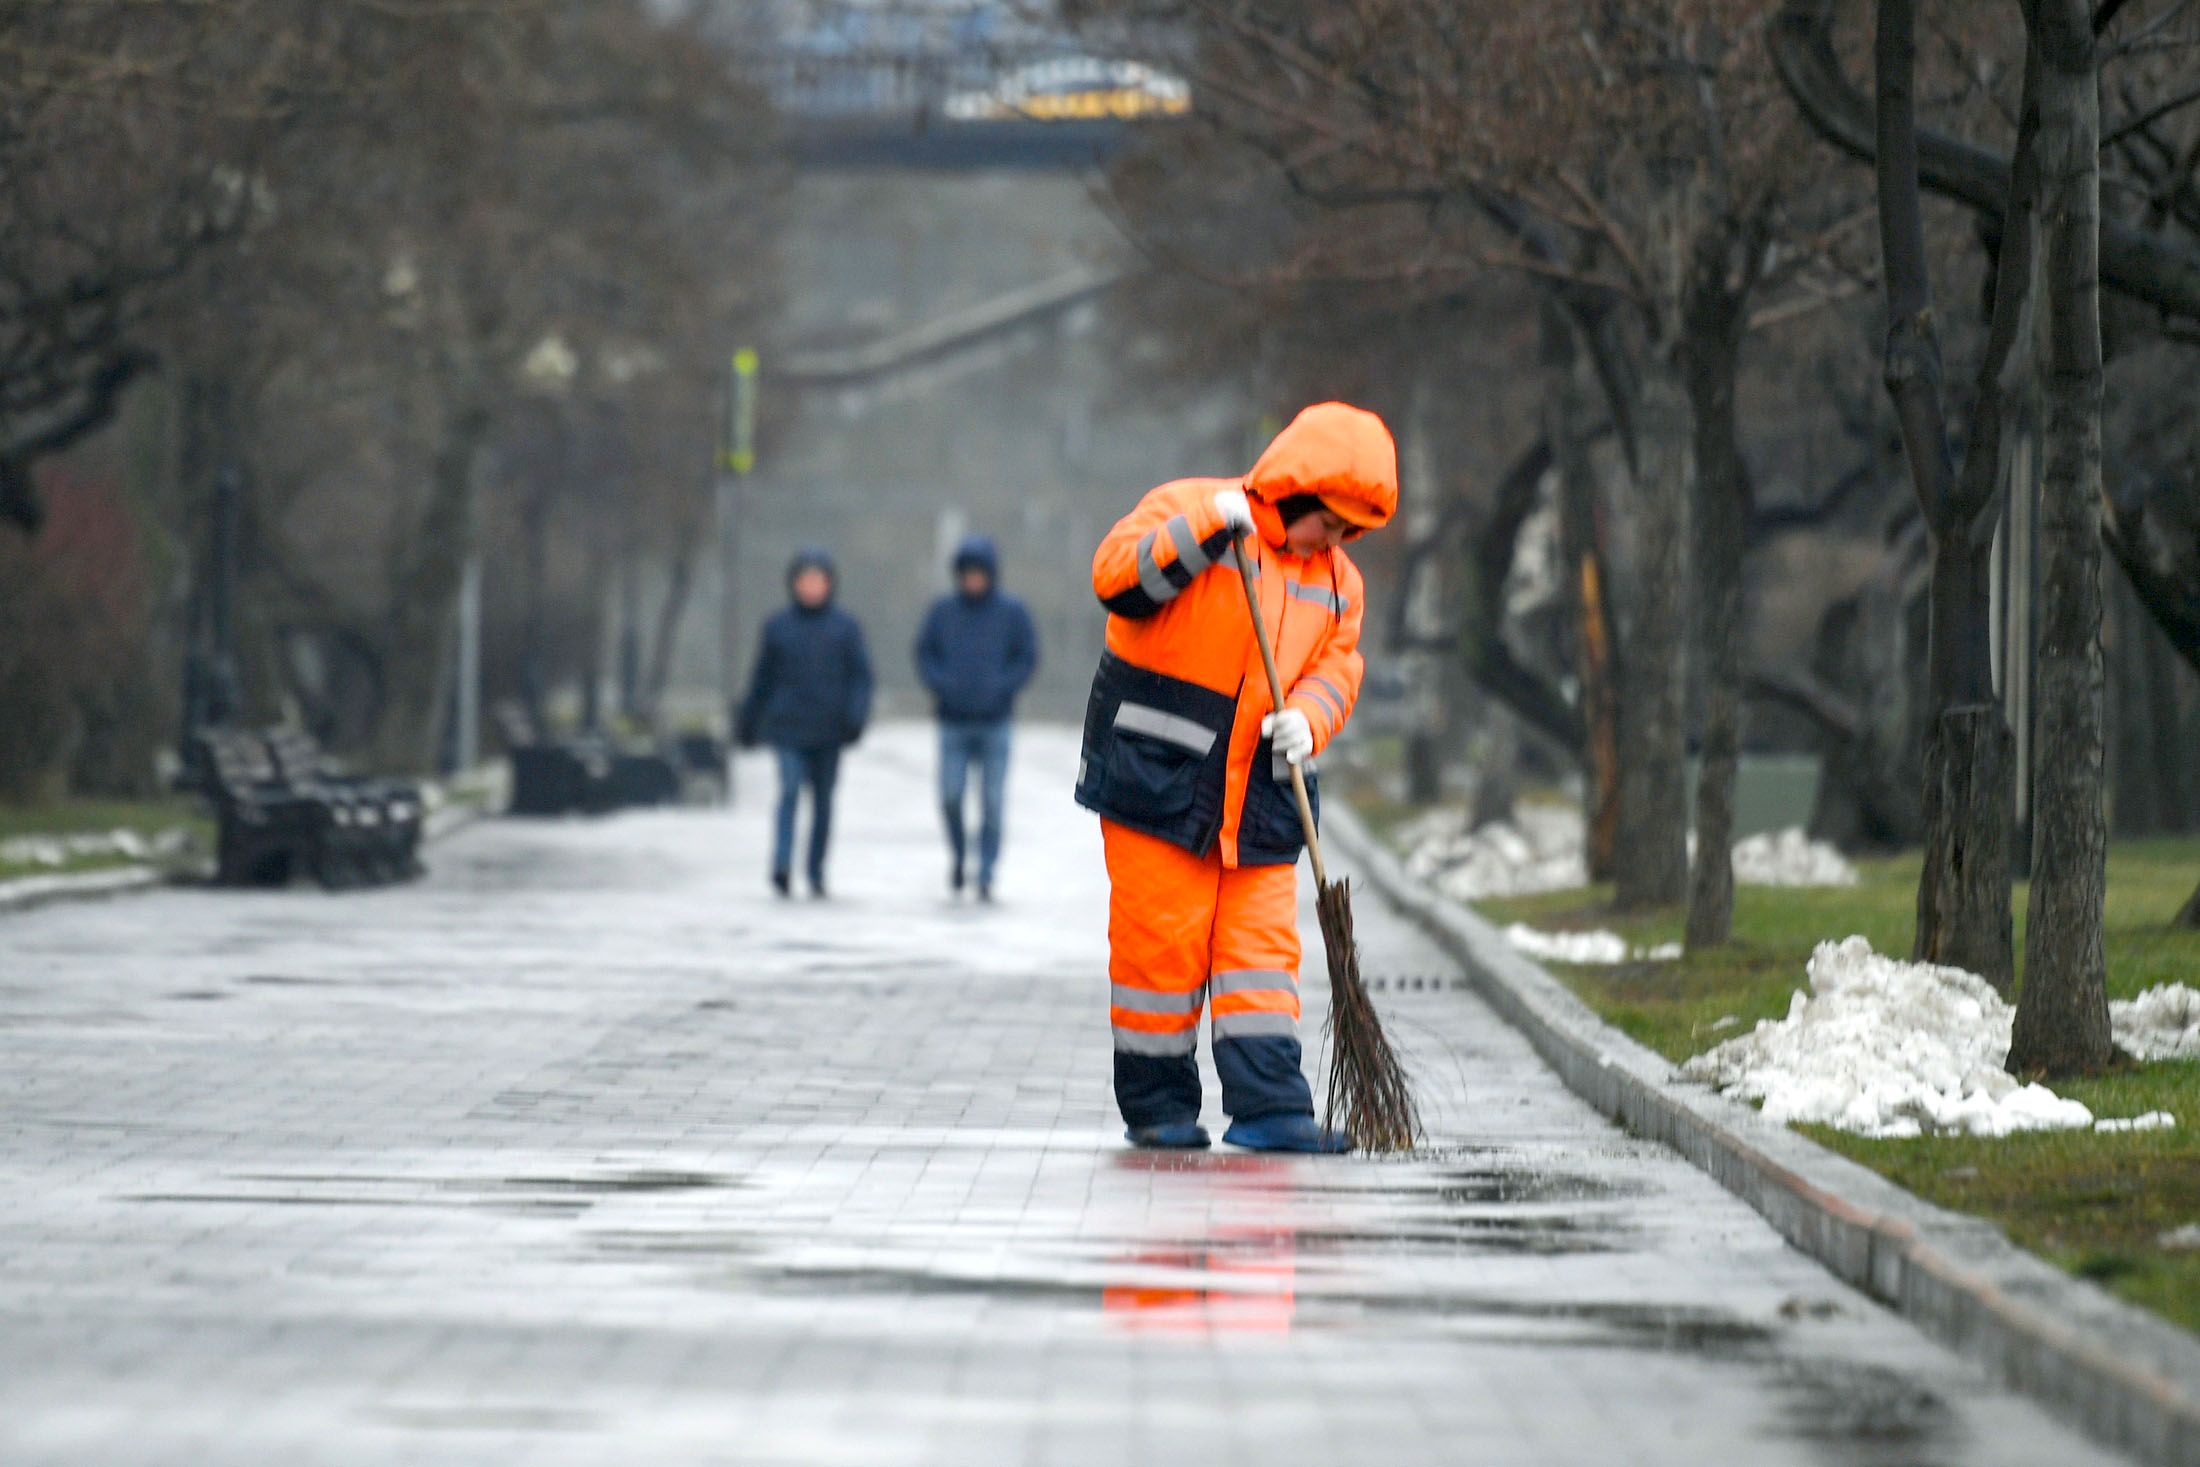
(1186, 760)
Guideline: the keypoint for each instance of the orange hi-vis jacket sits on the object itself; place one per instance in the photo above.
(1173, 746)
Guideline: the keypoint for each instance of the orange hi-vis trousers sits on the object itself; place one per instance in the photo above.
(1186, 932)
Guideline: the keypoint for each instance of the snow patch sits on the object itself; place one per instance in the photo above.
(1790, 858)
(2153, 1120)
(1882, 1047)
(1544, 848)
(1585, 948)
(1887, 1048)
(2162, 1023)
(59, 850)
(2185, 1237)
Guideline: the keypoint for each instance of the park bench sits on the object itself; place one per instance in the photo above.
(378, 823)
(589, 774)
(553, 776)
(284, 809)
(267, 831)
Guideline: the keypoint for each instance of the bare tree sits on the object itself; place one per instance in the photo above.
(1963, 893)
(2062, 1013)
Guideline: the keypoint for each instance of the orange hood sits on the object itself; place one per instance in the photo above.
(1343, 454)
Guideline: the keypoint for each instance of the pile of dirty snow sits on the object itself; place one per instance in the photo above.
(1585, 948)
(1790, 858)
(2162, 1023)
(59, 850)
(1882, 1047)
(1543, 849)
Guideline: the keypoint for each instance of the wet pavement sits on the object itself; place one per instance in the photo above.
(587, 1149)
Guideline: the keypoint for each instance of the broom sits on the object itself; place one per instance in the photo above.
(1369, 1097)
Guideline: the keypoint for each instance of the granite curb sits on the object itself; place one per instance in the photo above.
(2119, 1374)
(28, 893)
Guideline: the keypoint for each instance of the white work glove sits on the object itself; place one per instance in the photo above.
(1294, 736)
(1236, 511)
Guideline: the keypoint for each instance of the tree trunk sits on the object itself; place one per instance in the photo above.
(665, 639)
(2136, 799)
(596, 628)
(1964, 886)
(1963, 893)
(1961, 860)
(1712, 353)
(2160, 672)
(1588, 585)
(1652, 844)
(2062, 1014)
(1497, 773)
(424, 591)
(534, 676)
(1421, 606)
(630, 631)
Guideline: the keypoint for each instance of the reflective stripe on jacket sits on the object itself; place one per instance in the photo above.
(1173, 745)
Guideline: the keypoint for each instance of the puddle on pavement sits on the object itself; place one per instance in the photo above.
(533, 1195)
(607, 1183)
(1527, 1236)
(1220, 1291)
(1510, 1188)
(1863, 1415)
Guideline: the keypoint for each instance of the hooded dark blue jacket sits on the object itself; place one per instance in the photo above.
(976, 652)
(812, 684)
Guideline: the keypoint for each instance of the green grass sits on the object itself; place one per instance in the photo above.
(74, 817)
(2093, 1203)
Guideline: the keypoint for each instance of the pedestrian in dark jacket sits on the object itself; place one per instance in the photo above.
(809, 698)
(977, 650)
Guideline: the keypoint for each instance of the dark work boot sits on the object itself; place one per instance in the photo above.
(779, 882)
(1169, 1136)
(1287, 1132)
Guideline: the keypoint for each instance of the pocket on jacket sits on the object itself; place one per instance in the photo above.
(1270, 832)
(1154, 761)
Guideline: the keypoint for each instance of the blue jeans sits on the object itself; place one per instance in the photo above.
(962, 742)
(817, 768)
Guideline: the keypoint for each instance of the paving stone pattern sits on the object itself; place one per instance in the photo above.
(588, 1150)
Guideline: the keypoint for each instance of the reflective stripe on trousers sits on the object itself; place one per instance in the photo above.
(1184, 934)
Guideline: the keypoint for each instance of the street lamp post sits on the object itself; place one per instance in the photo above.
(736, 461)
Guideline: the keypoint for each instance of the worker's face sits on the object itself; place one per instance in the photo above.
(974, 581)
(1324, 529)
(812, 586)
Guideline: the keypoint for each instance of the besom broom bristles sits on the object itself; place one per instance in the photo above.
(1370, 1098)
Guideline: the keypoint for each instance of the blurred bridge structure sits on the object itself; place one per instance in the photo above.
(866, 89)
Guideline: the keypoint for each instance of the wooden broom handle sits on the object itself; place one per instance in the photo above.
(1275, 692)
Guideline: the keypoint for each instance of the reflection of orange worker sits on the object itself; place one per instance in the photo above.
(1185, 760)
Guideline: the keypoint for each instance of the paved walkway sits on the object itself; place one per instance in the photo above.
(588, 1150)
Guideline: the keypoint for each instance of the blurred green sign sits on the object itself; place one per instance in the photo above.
(739, 452)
